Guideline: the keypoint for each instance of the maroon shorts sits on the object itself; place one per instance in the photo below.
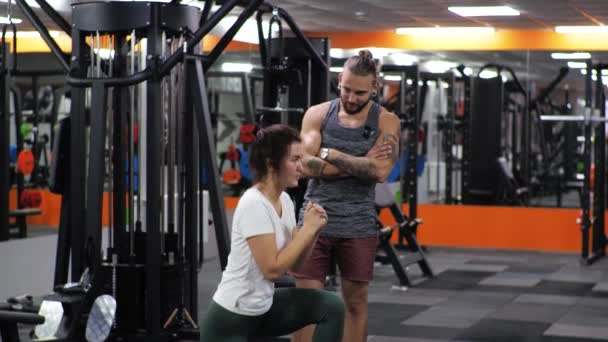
(354, 257)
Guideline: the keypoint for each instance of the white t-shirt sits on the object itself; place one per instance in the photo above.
(243, 289)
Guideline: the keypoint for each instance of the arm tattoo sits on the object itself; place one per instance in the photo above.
(392, 139)
(361, 168)
(315, 166)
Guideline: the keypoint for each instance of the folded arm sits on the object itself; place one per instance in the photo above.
(313, 166)
(378, 163)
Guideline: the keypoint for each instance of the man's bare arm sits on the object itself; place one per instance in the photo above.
(374, 169)
(360, 167)
(313, 166)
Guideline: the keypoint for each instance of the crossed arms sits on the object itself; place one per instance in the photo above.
(375, 166)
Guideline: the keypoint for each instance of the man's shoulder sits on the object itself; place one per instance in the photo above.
(317, 112)
(387, 117)
(321, 108)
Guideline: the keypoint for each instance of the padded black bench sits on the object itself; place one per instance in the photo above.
(9, 320)
(20, 215)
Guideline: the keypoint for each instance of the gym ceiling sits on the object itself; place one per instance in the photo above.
(353, 24)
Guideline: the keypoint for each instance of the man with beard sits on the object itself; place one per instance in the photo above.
(350, 144)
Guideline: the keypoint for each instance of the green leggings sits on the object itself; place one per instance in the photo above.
(292, 309)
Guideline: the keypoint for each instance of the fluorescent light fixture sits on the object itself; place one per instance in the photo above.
(562, 118)
(237, 67)
(573, 55)
(488, 74)
(438, 67)
(392, 78)
(582, 29)
(577, 65)
(4, 20)
(337, 53)
(400, 58)
(336, 69)
(483, 11)
(594, 72)
(460, 30)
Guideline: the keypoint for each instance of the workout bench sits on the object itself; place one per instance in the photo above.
(20, 224)
(407, 228)
(9, 320)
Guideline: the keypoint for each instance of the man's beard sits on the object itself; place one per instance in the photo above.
(356, 109)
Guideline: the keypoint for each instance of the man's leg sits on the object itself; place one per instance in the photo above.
(355, 300)
(355, 258)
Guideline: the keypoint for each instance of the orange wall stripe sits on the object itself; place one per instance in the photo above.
(51, 208)
(540, 229)
(210, 41)
(27, 44)
(501, 40)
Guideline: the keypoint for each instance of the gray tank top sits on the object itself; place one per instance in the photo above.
(349, 201)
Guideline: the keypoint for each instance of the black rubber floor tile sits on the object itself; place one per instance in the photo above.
(562, 288)
(494, 330)
(455, 280)
(385, 319)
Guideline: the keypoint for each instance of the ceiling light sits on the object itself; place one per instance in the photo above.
(4, 20)
(392, 78)
(488, 74)
(336, 69)
(237, 67)
(581, 29)
(483, 11)
(468, 71)
(400, 58)
(337, 53)
(446, 30)
(438, 67)
(572, 55)
(594, 72)
(577, 65)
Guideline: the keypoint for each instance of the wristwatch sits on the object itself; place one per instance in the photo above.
(324, 153)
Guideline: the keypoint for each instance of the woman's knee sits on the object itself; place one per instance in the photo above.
(333, 305)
